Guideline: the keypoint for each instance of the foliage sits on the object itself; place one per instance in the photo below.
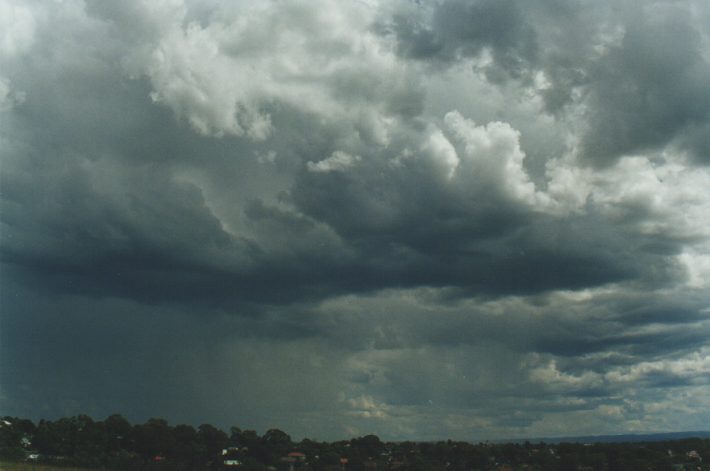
(116, 445)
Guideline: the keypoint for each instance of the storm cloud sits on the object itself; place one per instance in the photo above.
(466, 219)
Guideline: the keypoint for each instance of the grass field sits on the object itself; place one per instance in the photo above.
(5, 466)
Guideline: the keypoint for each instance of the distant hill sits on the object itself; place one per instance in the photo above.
(628, 438)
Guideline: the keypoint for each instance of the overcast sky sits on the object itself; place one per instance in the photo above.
(466, 219)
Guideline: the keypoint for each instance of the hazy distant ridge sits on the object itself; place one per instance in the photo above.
(636, 437)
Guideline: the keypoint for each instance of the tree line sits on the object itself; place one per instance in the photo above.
(117, 445)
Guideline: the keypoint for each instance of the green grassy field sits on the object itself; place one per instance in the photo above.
(5, 466)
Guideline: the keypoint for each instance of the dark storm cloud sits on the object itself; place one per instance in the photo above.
(410, 228)
(104, 227)
(104, 230)
(567, 330)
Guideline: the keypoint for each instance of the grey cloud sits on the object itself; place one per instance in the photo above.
(638, 73)
(471, 352)
(650, 89)
(461, 29)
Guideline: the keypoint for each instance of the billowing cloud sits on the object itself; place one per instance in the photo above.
(420, 219)
(337, 161)
(637, 74)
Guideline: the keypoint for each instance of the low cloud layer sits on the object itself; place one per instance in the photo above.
(424, 220)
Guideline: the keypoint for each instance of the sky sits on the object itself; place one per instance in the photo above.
(422, 219)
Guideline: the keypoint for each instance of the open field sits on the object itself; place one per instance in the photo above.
(6, 466)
